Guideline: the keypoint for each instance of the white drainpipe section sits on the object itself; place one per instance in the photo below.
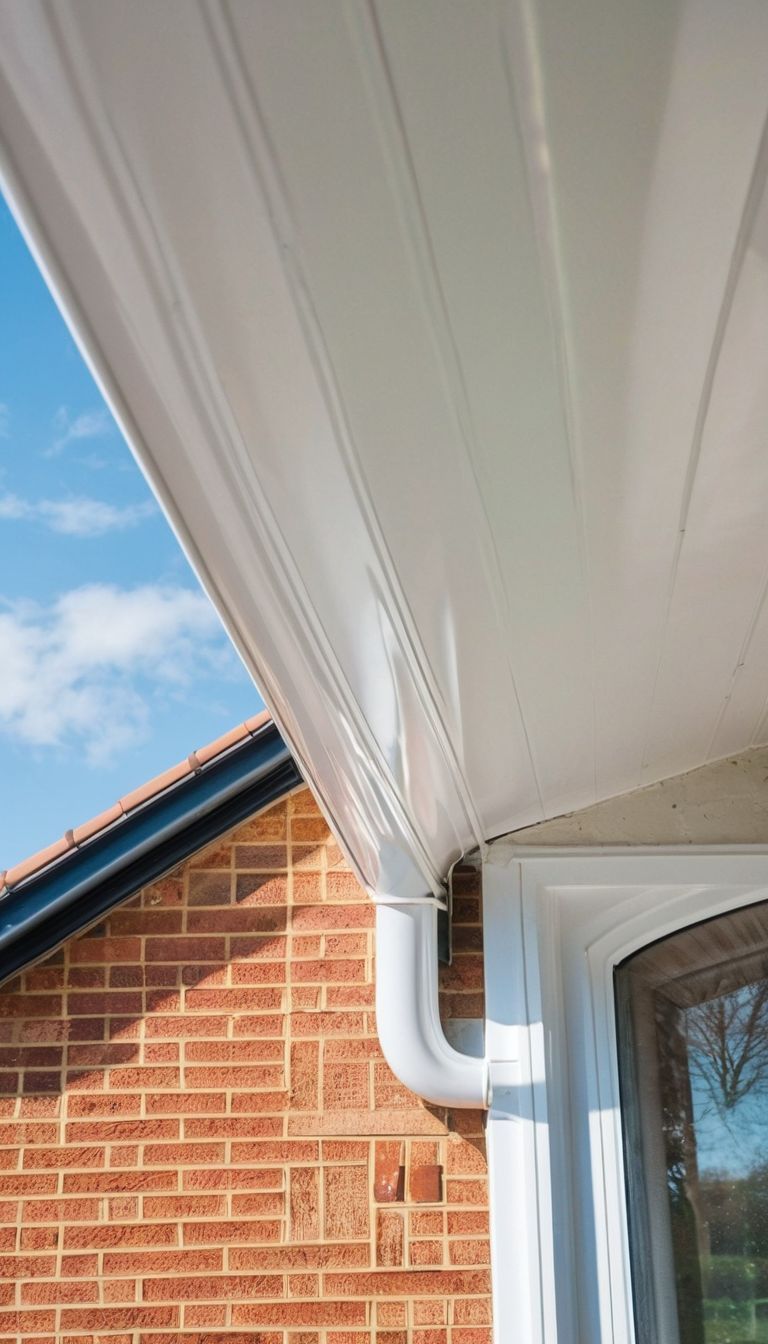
(407, 1013)
(415, 1047)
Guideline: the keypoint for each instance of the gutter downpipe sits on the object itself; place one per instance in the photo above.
(407, 1011)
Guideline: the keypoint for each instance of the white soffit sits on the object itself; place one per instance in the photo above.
(441, 330)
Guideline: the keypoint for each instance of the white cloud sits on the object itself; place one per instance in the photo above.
(78, 516)
(70, 429)
(84, 672)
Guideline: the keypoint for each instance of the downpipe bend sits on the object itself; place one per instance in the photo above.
(407, 1012)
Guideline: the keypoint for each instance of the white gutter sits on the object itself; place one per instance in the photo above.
(407, 1011)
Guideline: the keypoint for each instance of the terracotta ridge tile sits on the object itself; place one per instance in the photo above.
(228, 739)
(153, 786)
(19, 871)
(78, 835)
(98, 823)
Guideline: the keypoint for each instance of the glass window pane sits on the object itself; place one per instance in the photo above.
(693, 1056)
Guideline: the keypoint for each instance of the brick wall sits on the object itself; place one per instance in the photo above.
(199, 1138)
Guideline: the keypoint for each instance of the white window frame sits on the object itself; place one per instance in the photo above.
(557, 923)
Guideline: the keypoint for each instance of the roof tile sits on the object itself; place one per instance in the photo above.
(79, 834)
(230, 739)
(99, 823)
(163, 781)
(44, 856)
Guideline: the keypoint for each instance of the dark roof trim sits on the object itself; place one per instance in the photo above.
(52, 905)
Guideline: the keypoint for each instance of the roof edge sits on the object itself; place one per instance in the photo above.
(175, 774)
(79, 884)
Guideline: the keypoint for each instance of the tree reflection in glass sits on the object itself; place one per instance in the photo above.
(693, 1047)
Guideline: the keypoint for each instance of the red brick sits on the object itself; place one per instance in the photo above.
(426, 1253)
(472, 1311)
(106, 1182)
(252, 1126)
(387, 1090)
(350, 996)
(244, 919)
(261, 857)
(410, 1282)
(145, 1078)
(305, 1204)
(310, 828)
(232, 1000)
(429, 1312)
(345, 1087)
(74, 1290)
(345, 1150)
(111, 1001)
(104, 950)
(390, 1238)
(12, 1322)
(31, 1056)
(471, 1251)
(145, 921)
(186, 1154)
(185, 949)
(269, 825)
(17, 1266)
(425, 1184)
(179, 1026)
(210, 888)
(465, 1159)
(329, 917)
(267, 1076)
(30, 1005)
(37, 1184)
(376, 1123)
(122, 1103)
(259, 973)
(161, 1260)
(58, 1158)
(217, 855)
(183, 1206)
(120, 1234)
(326, 1024)
(389, 1173)
(332, 1255)
(224, 1178)
(187, 1103)
(344, 887)
(466, 1192)
(323, 1312)
(59, 1210)
(325, 972)
(235, 1052)
(467, 1221)
(212, 1313)
(22, 1132)
(346, 1202)
(122, 1318)
(32, 1238)
(305, 1075)
(236, 1289)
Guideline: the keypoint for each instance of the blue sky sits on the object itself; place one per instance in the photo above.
(113, 664)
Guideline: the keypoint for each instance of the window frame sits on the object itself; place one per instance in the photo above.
(557, 924)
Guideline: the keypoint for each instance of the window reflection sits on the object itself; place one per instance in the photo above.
(693, 1046)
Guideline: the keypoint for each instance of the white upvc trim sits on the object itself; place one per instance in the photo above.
(557, 923)
(407, 1011)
